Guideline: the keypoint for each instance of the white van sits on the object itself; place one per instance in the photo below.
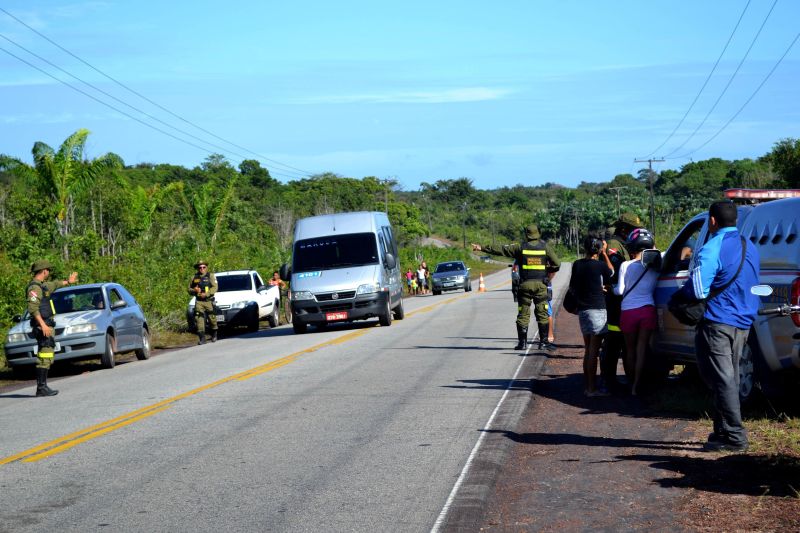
(344, 268)
(773, 226)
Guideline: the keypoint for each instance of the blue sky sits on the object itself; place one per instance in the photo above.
(520, 92)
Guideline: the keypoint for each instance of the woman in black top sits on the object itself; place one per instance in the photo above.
(589, 274)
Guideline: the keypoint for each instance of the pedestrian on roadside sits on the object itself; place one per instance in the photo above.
(42, 312)
(613, 346)
(538, 262)
(422, 280)
(589, 275)
(729, 259)
(203, 286)
(409, 277)
(638, 319)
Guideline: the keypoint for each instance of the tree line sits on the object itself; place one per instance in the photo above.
(145, 225)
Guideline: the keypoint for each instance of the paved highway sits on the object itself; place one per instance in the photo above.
(358, 428)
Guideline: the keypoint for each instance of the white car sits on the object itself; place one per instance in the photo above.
(242, 299)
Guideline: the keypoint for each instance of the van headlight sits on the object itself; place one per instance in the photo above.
(17, 337)
(368, 288)
(299, 296)
(80, 328)
(240, 305)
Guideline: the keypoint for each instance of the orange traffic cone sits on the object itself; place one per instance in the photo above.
(481, 286)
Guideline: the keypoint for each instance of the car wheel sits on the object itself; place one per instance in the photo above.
(386, 317)
(747, 375)
(299, 327)
(107, 359)
(437, 293)
(144, 352)
(399, 312)
(252, 324)
(273, 317)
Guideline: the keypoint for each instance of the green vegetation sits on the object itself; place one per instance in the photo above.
(145, 225)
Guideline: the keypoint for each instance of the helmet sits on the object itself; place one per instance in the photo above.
(639, 239)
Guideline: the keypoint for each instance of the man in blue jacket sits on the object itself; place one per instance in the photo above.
(722, 333)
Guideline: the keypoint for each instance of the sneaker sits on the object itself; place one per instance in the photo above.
(547, 346)
(712, 437)
(724, 446)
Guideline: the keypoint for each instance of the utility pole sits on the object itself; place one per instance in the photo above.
(617, 189)
(652, 196)
(464, 223)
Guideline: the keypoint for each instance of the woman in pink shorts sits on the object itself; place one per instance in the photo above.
(636, 286)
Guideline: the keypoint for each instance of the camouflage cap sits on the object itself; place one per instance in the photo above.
(628, 219)
(40, 265)
(532, 232)
(201, 262)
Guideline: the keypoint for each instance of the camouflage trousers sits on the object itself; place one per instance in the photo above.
(46, 346)
(201, 308)
(531, 292)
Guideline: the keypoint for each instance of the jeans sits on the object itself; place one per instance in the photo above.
(719, 347)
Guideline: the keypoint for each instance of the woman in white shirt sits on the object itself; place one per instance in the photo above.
(636, 286)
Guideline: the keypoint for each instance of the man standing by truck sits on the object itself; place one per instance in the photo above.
(203, 287)
(722, 333)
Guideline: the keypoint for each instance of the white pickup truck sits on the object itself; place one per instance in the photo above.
(242, 299)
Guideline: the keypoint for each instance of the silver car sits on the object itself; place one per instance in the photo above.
(451, 276)
(96, 320)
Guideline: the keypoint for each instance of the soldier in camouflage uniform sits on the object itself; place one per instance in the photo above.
(42, 312)
(203, 287)
(537, 262)
(614, 341)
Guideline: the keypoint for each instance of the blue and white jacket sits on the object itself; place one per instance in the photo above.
(717, 261)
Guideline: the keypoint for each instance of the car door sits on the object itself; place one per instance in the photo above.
(673, 338)
(123, 320)
(264, 305)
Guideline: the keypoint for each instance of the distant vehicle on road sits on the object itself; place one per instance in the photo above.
(95, 320)
(451, 276)
(344, 268)
(774, 344)
(242, 299)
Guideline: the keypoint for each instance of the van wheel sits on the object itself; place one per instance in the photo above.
(386, 317)
(273, 317)
(747, 369)
(107, 359)
(399, 312)
(299, 327)
(144, 352)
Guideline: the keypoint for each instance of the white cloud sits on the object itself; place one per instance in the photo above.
(459, 95)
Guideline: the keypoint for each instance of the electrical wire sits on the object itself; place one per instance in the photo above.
(727, 86)
(788, 49)
(705, 83)
(273, 161)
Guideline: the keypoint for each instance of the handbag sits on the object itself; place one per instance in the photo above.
(690, 311)
(570, 304)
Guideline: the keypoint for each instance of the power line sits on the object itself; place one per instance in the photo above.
(730, 81)
(788, 49)
(286, 166)
(98, 89)
(708, 78)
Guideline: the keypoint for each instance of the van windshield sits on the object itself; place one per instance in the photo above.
(335, 251)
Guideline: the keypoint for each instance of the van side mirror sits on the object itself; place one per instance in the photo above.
(390, 261)
(285, 272)
(651, 259)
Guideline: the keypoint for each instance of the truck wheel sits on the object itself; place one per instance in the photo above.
(252, 324)
(385, 318)
(299, 327)
(107, 359)
(273, 317)
(144, 352)
(399, 312)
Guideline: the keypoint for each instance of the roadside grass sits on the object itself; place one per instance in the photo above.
(773, 424)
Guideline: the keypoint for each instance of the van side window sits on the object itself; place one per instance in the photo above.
(392, 245)
(683, 247)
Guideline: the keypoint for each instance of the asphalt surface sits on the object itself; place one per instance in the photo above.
(357, 428)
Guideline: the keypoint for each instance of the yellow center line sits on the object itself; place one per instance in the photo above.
(80, 436)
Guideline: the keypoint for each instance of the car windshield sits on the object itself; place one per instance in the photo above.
(71, 300)
(449, 267)
(335, 251)
(233, 282)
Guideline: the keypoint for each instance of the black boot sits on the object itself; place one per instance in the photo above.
(213, 335)
(201, 338)
(544, 344)
(522, 335)
(41, 384)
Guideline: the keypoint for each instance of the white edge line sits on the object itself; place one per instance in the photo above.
(464, 471)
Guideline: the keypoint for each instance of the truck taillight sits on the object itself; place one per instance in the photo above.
(795, 300)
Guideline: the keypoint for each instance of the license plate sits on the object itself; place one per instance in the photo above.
(339, 315)
(220, 318)
(450, 284)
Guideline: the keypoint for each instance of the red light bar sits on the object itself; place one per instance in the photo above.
(761, 194)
